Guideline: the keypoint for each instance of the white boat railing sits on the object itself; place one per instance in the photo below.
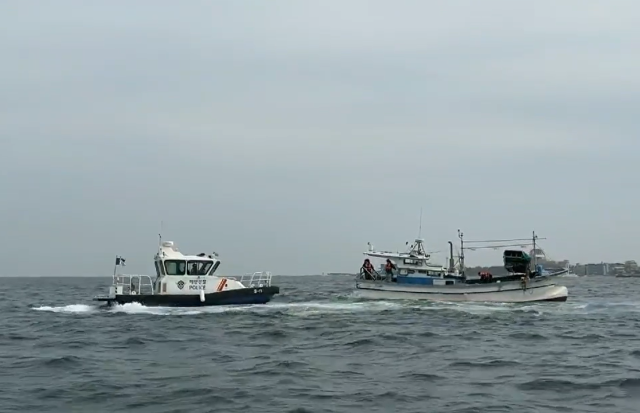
(134, 283)
(257, 279)
(373, 275)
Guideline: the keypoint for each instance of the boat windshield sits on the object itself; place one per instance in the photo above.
(193, 267)
(199, 267)
(175, 267)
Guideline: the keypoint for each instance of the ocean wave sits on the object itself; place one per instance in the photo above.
(318, 348)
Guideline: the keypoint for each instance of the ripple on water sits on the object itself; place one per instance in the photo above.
(318, 349)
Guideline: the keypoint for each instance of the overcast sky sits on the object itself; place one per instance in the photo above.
(285, 135)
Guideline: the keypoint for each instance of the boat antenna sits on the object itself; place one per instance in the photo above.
(461, 235)
(160, 236)
(115, 269)
(420, 227)
(535, 253)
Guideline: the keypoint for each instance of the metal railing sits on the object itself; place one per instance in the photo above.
(372, 276)
(257, 279)
(133, 283)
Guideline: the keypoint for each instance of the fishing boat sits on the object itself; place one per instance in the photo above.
(187, 281)
(411, 275)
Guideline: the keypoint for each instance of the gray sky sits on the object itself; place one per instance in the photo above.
(286, 134)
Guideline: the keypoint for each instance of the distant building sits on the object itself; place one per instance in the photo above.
(597, 269)
(607, 268)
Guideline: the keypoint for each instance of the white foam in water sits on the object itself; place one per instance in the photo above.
(136, 308)
(299, 308)
(72, 309)
(310, 307)
(315, 307)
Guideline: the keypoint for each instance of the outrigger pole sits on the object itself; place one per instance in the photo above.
(461, 235)
(515, 242)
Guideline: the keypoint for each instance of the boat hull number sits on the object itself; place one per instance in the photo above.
(257, 290)
(197, 285)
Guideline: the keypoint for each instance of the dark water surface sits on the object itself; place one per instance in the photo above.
(316, 348)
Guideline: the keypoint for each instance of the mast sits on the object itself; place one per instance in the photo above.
(461, 235)
(451, 261)
(420, 228)
(115, 269)
(535, 253)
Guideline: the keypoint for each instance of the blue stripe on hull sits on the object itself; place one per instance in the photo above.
(415, 280)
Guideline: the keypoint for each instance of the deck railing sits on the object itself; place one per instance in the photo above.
(257, 279)
(134, 283)
(375, 275)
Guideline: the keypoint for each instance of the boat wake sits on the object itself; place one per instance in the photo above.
(71, 309)
(299, 308)
(311, 308)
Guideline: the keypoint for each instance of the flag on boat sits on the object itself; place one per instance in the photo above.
(120, 261)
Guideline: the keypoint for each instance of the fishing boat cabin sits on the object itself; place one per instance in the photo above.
(411, 267)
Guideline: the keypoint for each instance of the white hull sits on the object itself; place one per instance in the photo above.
(507, 292)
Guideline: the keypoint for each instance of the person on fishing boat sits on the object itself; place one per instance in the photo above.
(389, 267)
(485, 276)
(367, 268)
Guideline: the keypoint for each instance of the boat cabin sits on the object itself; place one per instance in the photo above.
(171, 266)
(411, 267)
(170, 261)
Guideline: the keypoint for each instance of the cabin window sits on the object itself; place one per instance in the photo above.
(175, 267)
(159, 269)
(215, 267)
(199, 267)
(409, 261)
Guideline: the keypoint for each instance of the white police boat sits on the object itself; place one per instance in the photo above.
(412, 276)
(187, 281)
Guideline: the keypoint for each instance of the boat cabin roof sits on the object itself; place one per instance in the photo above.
(169, 251)
(390, 254)
(416, 258)
(415, 251)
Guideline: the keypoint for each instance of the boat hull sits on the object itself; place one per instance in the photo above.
(508, 292)
(230, 297)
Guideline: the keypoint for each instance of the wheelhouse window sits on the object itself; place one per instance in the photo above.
(199, 267)
(159, 269)
(410, 261)
(175, 267)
